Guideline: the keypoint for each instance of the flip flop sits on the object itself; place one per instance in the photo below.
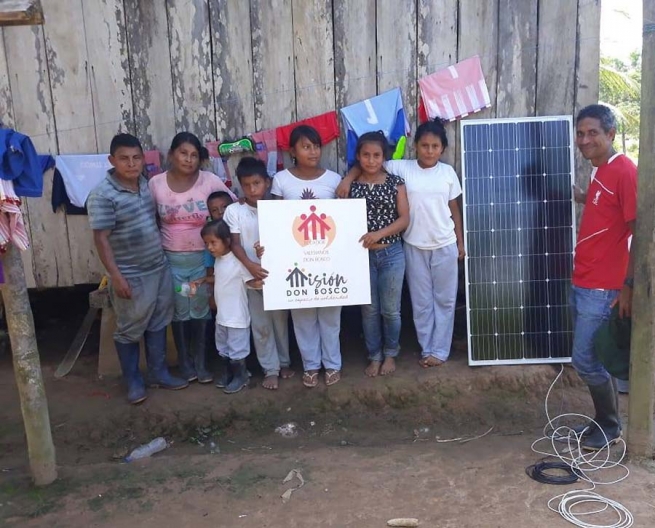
(332, 377)
(310, 379)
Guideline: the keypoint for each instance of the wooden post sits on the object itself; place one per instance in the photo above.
(642, 364)
(27, 370)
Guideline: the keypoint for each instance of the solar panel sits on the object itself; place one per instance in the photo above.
(519, 226)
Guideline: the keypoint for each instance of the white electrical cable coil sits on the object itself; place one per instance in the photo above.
(584, 465)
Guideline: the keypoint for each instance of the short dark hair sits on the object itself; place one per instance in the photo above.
(305, 131)
(124, 140)
(250, 166)
(187, 137)
(220, 195)
(217, 228)
(373, 137)
(436, 127)
(601, 112)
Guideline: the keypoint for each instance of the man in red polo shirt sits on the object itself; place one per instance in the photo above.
(603, 266)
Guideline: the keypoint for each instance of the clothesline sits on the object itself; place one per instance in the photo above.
(251, 95)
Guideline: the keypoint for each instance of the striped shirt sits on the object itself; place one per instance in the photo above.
(130, 216)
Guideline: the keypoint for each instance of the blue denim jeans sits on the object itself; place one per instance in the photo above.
(590, 308)
(381, 318)
(186, 267)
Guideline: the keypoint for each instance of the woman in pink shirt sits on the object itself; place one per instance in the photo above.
(181, 195)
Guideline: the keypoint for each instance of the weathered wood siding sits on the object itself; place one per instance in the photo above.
(225, 68)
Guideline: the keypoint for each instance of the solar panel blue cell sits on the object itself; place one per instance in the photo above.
(519, 232)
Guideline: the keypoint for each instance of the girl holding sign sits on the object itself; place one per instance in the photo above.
(317, 329)
(434, 239)
(387, 213)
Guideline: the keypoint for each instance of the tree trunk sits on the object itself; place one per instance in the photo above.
(641, 440)
(27, 369)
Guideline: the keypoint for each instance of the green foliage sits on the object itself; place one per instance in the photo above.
(620, 89)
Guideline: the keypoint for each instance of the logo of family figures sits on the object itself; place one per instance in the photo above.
(314, 229)
(303, 284)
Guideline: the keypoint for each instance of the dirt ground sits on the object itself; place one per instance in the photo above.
(367, 449)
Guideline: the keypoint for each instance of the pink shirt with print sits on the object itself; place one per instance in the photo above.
(182, 215)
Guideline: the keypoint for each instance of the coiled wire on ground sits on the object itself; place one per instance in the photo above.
(578, 506)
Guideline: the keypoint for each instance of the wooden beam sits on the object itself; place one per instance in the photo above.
(27, 370)
(642, 363)
(21, 13)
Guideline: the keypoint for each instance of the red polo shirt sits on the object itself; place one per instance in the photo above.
(601, 254)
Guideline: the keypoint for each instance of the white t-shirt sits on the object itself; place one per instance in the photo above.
(242, 220)
(289, 187)
(230, 292)
(428, 192)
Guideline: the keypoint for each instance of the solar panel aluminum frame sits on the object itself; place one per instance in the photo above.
(473, 122)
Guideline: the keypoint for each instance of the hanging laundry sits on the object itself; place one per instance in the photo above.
(152, 159)
(12, 227)
(383, 112)
(266, 148)
(20, 163)
(325, 124)
(218, 163)
(81, 173)
(239, 146)
(454, 92)
(59, 197)
(47, 162)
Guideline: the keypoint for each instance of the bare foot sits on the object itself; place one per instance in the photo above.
(286, 373)
(270, 382)
(373, 369)
(388, 366)
(430, 361)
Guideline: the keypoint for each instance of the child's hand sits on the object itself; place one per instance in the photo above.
(259, 250)
(256, 284)
(343, 189)
(461, 252)
(257, 271)
(370, 239)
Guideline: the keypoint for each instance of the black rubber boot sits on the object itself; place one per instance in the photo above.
(128, 355)
(239, 377)
(198, 349)
(226, 373)
(181, 336)
(158, 375)
(584, 429)
(607, 415)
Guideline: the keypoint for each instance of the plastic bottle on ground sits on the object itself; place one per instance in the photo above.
(147, 450)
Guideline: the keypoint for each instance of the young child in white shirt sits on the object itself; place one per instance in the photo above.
(270, 329)
(231, 278)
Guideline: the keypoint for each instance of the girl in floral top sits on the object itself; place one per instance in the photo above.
(388, 215)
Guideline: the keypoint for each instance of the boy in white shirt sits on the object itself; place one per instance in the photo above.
(270, 329)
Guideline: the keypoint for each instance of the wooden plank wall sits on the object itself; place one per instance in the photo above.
(225, 68)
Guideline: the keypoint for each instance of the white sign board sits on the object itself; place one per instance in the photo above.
(313, 254)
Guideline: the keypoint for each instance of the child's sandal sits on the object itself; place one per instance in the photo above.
(332, 377)
(310, 379)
